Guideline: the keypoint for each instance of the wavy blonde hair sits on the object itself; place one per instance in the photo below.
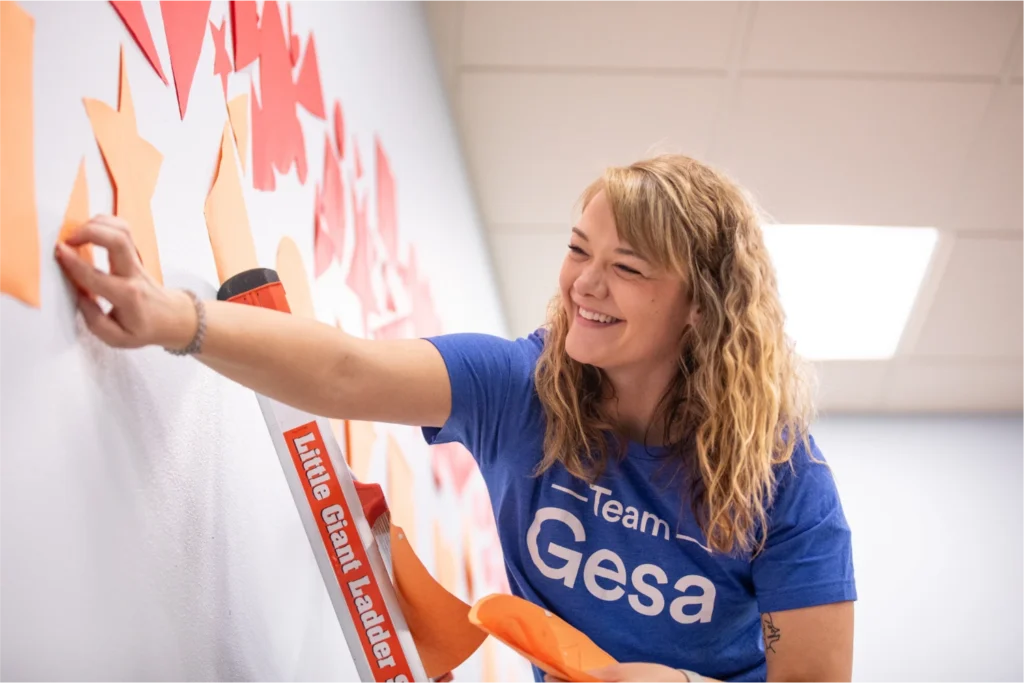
(741, 397)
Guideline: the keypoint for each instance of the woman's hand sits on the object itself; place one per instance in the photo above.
(634, 672)
(143, 312)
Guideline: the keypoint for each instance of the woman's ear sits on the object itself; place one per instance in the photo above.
(694, 317)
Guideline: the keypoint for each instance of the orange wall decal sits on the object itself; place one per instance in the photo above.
(19, 229)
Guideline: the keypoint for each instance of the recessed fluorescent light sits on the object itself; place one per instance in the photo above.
(848, 290)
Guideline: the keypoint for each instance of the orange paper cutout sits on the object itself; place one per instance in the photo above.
(293, 276)
(401, 490)
(544, 639)
(361, 437)
(77, 212)
(226, 218)
(238, 115)
(19, 222)
(444, 559)
(134, 166)
(438, 620)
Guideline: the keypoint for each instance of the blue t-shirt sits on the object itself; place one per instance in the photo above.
(624, 560)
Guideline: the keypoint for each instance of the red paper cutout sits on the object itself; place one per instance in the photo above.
(387, 220)
(221, 60)
(456, 460)
(245, 32)
(339, 129)
(134, 19)
(329, 239)
(363, 252)
(309, 93)
(277, 139)
(425, 320)
(185, 27)
(293, 40)
(359, 160)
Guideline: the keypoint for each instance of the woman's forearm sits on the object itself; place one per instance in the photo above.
(291, 359)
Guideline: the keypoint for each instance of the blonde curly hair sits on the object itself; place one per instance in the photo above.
(741, 399)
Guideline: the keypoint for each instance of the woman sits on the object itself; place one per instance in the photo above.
(647, 452)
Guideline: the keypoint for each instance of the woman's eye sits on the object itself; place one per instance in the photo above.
(627, 269)
(576, 250)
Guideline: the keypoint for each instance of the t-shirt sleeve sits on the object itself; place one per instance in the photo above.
(482, 369)
(807, 559)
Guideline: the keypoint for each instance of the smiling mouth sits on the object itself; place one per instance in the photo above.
(595, 317)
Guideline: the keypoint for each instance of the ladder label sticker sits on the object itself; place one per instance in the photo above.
(359, 588)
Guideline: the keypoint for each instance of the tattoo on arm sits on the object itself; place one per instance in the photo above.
(772, 634)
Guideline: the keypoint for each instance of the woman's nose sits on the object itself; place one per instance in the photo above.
(591, 281)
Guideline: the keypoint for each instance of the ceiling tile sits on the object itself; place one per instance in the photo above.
(955, 387)
(599, 34)
(534, 142)
(528, 266)
(849, 386)
(990, 194)
(978, 309)
(957, 38)
(851, 151)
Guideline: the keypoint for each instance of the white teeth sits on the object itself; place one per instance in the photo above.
(595, 316)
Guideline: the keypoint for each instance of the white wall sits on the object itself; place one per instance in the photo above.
(147, 530)
(935, 508)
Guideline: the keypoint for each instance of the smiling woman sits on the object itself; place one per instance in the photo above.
(647, 451)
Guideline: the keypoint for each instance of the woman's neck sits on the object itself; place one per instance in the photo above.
(634, 407)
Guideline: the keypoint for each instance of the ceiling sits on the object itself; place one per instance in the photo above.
(883, 113)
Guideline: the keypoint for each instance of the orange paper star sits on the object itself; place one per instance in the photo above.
(134, 166)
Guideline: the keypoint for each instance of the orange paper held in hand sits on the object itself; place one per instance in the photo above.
(439, 621)
(19, 229)
(77, 213)
(293, 276)
(547, 641)
(134, 165)
(226, 218)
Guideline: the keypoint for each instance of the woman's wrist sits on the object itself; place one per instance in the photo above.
(182, 321)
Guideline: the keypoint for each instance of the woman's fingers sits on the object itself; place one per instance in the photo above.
(87, 277)
(113, 235)
(100, 324)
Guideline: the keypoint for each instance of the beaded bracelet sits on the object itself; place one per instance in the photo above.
(196, 345)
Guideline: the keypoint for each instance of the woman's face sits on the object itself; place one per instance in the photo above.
(624, 312)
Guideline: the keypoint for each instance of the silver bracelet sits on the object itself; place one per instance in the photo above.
(691, 676)
(196, 345)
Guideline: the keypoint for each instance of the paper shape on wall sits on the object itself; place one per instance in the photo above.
(133, 165)
(363, 254)
(238, 116)
(293, 40)
(401, 490)
(221, 60)
(293, 276)
(438, 620)
(544, 639)
(339, 130)
(361, 436)
(426, 322)
(245, 33)
(227, 221)
(185, 27)
(358, 160)
(77, 212)
(277, 140)
(387, 217)
(134, 18)
(329, 234)
(19, 222)
(308, 91)
(19, 258)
